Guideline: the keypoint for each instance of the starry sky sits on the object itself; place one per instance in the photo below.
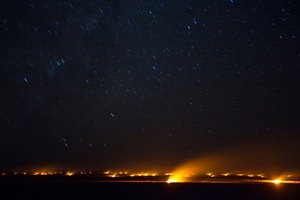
(98, 84)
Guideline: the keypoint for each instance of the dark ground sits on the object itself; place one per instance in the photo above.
(31, 188)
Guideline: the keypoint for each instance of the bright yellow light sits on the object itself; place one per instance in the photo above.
(277, 181)
(176, 178)
(261, 175)
(172, 181)
(70, 173)
(210, 174)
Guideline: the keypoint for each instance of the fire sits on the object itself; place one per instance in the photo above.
(176, 178)
(277, 181)
(172, 181)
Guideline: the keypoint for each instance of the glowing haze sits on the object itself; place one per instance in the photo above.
(269, 160)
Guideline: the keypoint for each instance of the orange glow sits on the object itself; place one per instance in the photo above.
(172, 181)
(176, 178)
(211, 174)
(126, 173)
(114, 175)
(261, 175)
(277, 181)
(70, 173)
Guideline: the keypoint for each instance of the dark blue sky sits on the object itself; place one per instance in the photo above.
(101, 84)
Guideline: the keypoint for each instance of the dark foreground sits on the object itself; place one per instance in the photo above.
(92, 189)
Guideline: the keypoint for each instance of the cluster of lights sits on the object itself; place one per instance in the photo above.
(173, 177)
(181, 178)
(115, 174)
(276, 181)
(143, 174)
(126, 173)
(71, 173)
(240, 175)
(85, 173)
(139, 174)
(45, 173)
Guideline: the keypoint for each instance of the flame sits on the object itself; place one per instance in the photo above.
(277, 181)
(172, 181)
(176, 178)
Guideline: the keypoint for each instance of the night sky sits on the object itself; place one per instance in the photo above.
(100, 84)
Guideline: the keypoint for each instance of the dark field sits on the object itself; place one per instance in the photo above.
(78, 188)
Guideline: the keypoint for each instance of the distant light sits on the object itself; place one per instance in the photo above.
(261, 175)
(277, 181)
(226, 174)
(172, 181)
(70, 173)
(210, 174)
(113, 175)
